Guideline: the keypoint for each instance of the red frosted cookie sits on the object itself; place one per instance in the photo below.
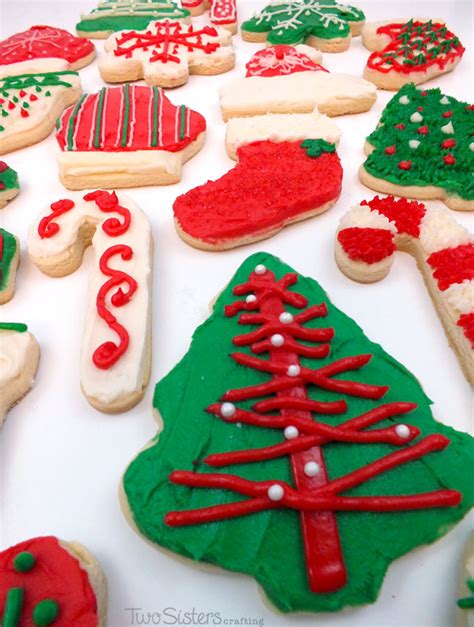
(45, 581)
(222, 12)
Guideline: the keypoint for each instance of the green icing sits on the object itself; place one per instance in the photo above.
(268, 545)
(46, 79)
(45, 612)
(294, 22)
(467, 603)
(427, 164)
(8, 248)
(8, 177)
(24, 562)
(13, 326)
(13, 607)
(316, 147)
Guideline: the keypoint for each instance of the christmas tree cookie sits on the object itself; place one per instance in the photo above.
(409, 52)
(111, 16)
(30, 105)
(295, 450)
(327, 26)
(221, 12)
(43, 48)
(126, 137)
(9, 261)
(19, 358)
(166, 53)
(370, 234)
(46, 581)
(9, 186)
(423, 148)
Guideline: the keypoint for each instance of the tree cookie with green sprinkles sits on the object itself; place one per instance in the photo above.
(46, 581)
(326, 25)
(9, 186)
(423, 148)
(9, 262)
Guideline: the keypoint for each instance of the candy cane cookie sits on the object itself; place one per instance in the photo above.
(19, 359)
(116, 354)
(370, 233)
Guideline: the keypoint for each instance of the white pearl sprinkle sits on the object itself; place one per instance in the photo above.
(311, 469)
(414, 143)
(404, 100)
(293, 371)
(416, 117)
(275, 492)
(291, 432)
(444, 100)
(227, 410)
(448, 128)
(277, 340)
(402, 431)
(251, 298)
(285, 318)
(471, 146)
(260, 269)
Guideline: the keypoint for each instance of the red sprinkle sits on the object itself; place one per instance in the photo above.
(11, 105)
(448, 114)
(2, 185)
(22, 93)
(3, 166)
(449, 159)
(448, 143)
(400, 126)
(24, 113)
(404, 165)
(424, 93)
(420, 109)
(391, 150)
(423, 130)
(33, 97)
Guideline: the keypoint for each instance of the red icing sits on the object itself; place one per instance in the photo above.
(453, 265)
(448, 143)
(2, 185)
(139, 127)
(43, 42)
(406, 214)
(317, 498)
(56, 575)
(221, 11)
(271, 184)
(366, 244)
(3, 166)
(466, 321)
(47, 227)
(449, 159)
(280, 60)
(404, 165)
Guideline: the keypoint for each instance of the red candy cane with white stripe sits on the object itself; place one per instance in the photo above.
(370, 233)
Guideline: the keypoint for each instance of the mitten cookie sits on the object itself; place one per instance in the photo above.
(423, 148)
(116, 353)
(111, 16)
(46, 581)
(327, 26)
(30, 105)
(272, 186)
(9, 262)
(287, 79)
(465, 613)
(221, 12)
(9, 186)
(370, 234)
(126, 137)
(166, 53)
(409, 52)
(294, 449)
(19, 358)
(43, 48)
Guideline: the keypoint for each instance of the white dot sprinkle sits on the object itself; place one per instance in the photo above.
(227, 410)
(414, 143)
(402, 431)
(416, 117)
(404, 100)
(260, 269)
(286, 318)
(293, 371)
(444, 100)
(448, 128)
(251, 298)
(291, 432)
(311, 469)
(275, 492)
(277, 340)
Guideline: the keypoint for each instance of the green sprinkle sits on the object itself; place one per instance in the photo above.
(45, 613)
(182, 122)
(13, 607)
(126, 114)
(24, 562)
(48, 93)
(156, 100)
(70, 131)
(100, 108)
(13, 326)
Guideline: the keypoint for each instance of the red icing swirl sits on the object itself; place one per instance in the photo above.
(366, 244)
(453, 265)
(406, 214)
(47, 227)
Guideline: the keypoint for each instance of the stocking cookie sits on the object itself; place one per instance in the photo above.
(116, 353)
(221, 12)
(46, 581)
(19, 359)
(327, 26)
(9, 261)
(9, 186)
(287, 79)
(43, 48)
(166, 53)
(423, 148)
(272, 186)
(409, 52)
(289, 438)
(126, 137)
(370, 234)
(30, 105)
(112, 16)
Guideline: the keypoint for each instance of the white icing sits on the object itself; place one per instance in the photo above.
(414, 143)
(255, 95)
(416, 117)
(277, 127)
(14, 355)
(251, 298)
(447, 128)
(461, 296)
(227, 410)
(444, 100)
(260, 269)
(314, 54)
(275, 492)
(363, 217)
(311, 469)
(293, 370)
(291, 432)
(403, 431)
(126, 376)
(439, 230)
(277, 340)
(286, 318)
(34, 66)
(404, 100)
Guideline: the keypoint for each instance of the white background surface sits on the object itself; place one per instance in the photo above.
(61, 461)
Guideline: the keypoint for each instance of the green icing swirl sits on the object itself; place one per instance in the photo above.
(427, 164)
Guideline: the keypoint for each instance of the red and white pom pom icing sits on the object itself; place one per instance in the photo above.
(281, 60)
